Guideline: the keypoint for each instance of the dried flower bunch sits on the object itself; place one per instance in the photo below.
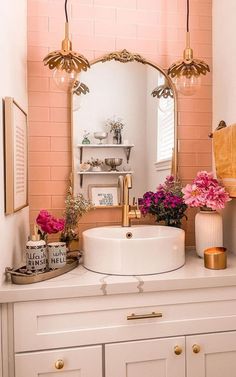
(166, 203)
(205, 192)
(95, 162)
(75, 207)
(115, 123)
(48, 224)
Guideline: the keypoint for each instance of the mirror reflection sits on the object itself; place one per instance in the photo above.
(120, 125)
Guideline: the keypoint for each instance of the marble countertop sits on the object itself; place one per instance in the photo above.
(81, 282)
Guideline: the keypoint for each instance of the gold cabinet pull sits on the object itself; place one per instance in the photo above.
(196, 348)
(178, 350)
(59, 364)
(144, 316)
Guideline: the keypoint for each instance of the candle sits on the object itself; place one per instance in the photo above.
(215, 258)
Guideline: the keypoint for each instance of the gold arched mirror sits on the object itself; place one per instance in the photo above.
(138, 93)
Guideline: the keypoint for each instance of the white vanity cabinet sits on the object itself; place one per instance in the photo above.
(149, 358)
(207, 355)
(192, 335)
(74, 362)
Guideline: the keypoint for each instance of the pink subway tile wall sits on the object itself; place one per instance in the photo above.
(153, 28)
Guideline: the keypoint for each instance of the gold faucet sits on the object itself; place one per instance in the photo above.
(125, 184)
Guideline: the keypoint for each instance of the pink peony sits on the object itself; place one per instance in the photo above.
(205, 192)
(48, 223)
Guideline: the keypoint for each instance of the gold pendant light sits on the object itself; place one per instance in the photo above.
(186, 73)
(66, 63)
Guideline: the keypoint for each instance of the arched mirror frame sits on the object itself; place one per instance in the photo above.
(125, 57)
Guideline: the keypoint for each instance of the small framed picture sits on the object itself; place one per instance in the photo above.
(16, 156)
(103, 195)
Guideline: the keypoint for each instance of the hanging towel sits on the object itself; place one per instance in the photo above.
(224, 145)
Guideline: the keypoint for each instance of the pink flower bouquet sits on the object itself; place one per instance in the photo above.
(205, 192)
(49, 224)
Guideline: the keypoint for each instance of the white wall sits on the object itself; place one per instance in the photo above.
(14, 229)
(224, 89)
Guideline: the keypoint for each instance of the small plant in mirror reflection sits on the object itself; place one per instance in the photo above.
(95, 162)
(115, 123)
(75, 207)
(166, 204)
(205, 192)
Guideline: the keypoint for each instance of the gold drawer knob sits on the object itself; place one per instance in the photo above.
(196, 348)
(178, 350)
(59, 364)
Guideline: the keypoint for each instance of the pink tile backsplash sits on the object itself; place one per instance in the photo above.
(153, 28)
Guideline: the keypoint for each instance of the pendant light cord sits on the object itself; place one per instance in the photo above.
(66, 11)
(187, 15)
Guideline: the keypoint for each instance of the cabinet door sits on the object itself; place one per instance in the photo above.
(76, 362)
(214, 356)
(149, 358)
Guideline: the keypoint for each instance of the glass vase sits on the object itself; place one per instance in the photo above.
(117, 137)
(208, 230)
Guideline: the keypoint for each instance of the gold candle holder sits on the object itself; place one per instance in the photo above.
(215, 258)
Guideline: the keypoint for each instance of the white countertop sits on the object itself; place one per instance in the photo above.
(81, 282)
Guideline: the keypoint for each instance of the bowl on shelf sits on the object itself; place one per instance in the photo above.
(84, 166)
(100, 136)
(113, 163)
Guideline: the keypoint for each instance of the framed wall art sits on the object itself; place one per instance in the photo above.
(105, 195)
(16, 156)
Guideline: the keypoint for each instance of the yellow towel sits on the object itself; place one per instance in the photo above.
(224, 145)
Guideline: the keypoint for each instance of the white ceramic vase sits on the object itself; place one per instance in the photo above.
(208, 231)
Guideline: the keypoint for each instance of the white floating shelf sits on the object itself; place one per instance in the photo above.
(104, 172)
(82, 173)
(105, 145)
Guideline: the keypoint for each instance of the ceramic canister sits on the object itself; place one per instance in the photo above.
(56, 255)
(36, 256)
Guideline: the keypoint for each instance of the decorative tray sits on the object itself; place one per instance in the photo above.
(21, 276)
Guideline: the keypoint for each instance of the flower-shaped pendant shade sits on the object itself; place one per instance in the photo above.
(186, 72)
(66, 59)
(66, 63)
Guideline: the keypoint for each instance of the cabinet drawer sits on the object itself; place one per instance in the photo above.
(70, 363)
(94, 320)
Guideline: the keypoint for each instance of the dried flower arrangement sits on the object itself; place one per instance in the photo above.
(94, 162)
(75, 207)
(115, 123)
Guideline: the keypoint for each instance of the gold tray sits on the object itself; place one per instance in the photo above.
(20, 277)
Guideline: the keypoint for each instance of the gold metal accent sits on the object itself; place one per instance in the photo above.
(59, 364)
(178, 350)
(215, 258)
(188, 66)
(144, 316)
(80, 88)
(66, 59)
(222, 124)
(18, 277)
(124, 56)
(196, 348)
(163, 91)
(125, 184)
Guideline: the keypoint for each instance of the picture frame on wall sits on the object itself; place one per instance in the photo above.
(103, 195)
(15, 156)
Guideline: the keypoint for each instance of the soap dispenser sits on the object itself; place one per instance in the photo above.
(36, 253)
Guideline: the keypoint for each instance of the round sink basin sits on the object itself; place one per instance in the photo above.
(136, 250)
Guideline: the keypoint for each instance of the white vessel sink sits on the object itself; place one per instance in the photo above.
(136, 250)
